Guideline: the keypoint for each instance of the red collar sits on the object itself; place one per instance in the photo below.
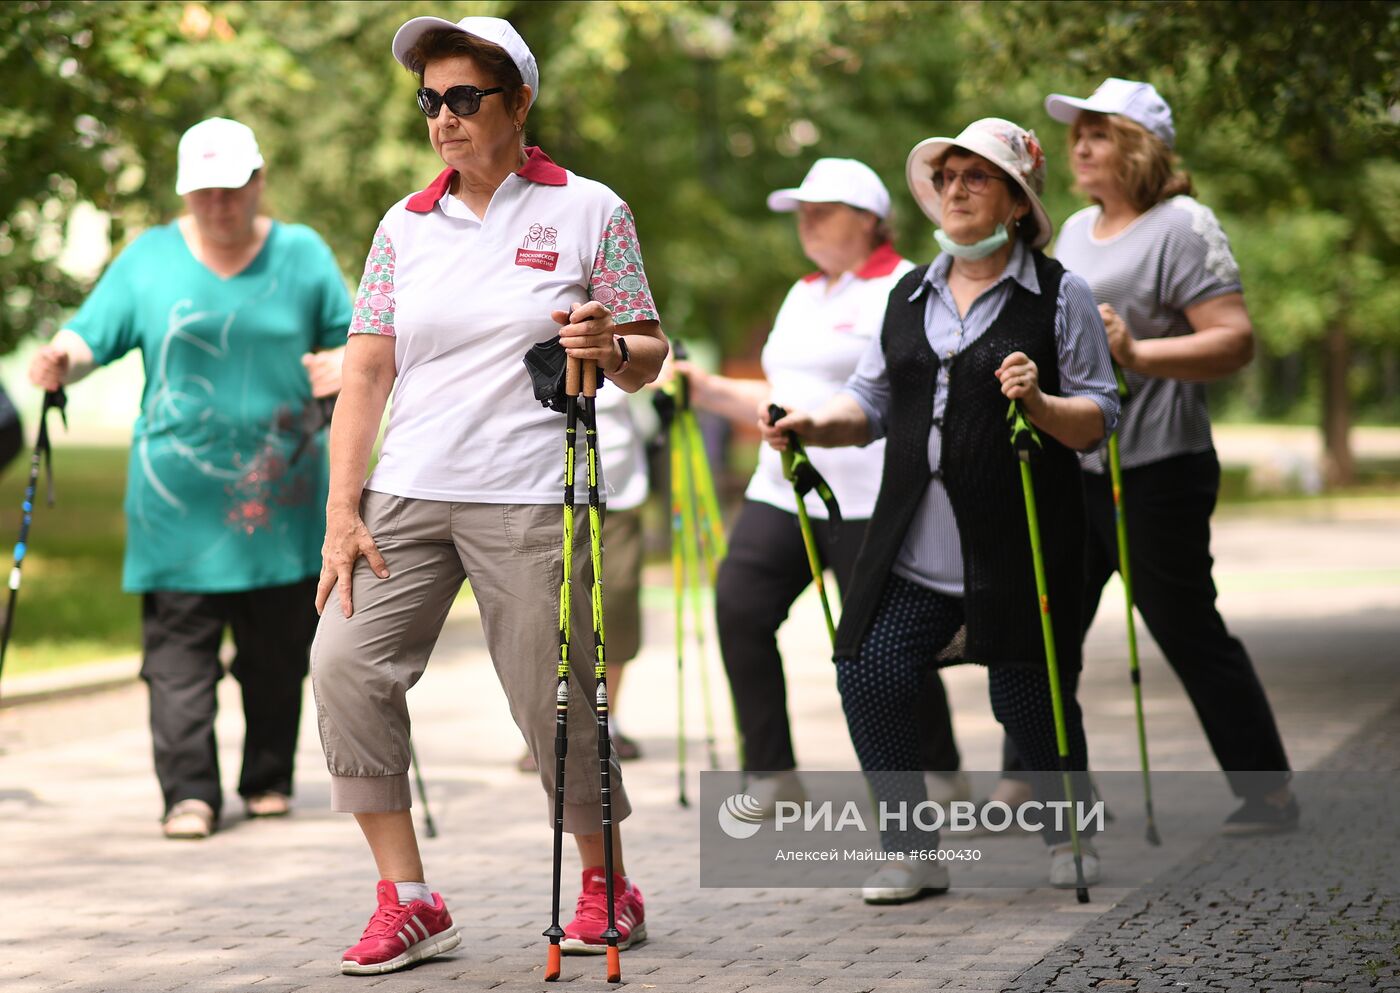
(538, 168)
(881, 262)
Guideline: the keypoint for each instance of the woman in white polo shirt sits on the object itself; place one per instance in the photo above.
(503, 250)
(818, 336)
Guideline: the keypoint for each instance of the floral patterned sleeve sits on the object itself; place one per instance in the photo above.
(373, 312)
(618, 281)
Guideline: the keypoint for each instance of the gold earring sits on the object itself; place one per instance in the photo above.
(519, 125)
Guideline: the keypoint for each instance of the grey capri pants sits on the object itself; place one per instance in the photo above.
(363, 666)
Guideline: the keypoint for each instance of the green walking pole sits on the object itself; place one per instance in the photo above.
(694, 568)
(1120, 523)
(1024, 438)
(798, 470)
(678, 604)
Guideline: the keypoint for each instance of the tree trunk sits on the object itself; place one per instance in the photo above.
(1338, 464)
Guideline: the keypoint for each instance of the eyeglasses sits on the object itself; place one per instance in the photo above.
(974, 179)
(464, 101)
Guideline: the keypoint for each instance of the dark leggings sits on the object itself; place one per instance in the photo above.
(912, 625)
(1167, 508)
(765, 572)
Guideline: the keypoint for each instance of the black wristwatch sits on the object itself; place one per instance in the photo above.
(626, 355)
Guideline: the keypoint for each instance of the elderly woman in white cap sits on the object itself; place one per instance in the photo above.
(991, 320)
(240, 321)
(1169, 291)
(827, 320)
(503, 250)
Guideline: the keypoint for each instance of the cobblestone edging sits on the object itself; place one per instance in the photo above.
(1226, 921)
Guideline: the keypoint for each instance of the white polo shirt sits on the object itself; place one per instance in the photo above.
(465, 298)
(817, 339)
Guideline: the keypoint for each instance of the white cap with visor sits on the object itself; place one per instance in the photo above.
(1138, 102)
(217, 154)
(847, 181)
(495, 30)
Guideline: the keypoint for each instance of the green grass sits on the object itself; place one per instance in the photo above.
(71, 607)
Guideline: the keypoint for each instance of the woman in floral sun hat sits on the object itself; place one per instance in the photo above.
(990, 320)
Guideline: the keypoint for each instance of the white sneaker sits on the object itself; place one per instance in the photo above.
(1062, 874)
(771, 788)
(903, 883)
(947, 787)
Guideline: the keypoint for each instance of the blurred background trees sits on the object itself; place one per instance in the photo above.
(1288, 116)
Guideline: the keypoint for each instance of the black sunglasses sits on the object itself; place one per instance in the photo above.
(464, 101)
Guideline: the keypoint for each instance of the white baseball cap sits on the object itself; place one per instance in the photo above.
(217, 154)
(1128, 98)
(1008, 146)
(496, 30)
(845, 181)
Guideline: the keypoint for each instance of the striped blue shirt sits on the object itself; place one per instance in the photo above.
(931, 555)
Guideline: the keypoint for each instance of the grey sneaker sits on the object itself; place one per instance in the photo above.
(772, 787)
(1062, 875)
(1259, 816)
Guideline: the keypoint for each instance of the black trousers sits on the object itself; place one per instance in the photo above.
(912, 625)
(1168, 506)
(765, 572)
(272, 631)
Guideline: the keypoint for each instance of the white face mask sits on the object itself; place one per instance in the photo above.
(978, 249)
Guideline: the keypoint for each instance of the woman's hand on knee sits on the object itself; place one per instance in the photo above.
(347, 539)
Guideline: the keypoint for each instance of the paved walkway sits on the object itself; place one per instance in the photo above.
(96, 900)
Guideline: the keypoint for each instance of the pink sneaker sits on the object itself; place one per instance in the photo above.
(584, 934)
(399, 936)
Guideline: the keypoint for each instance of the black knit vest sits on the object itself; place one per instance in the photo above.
(981, 473)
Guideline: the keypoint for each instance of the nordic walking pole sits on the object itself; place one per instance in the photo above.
(678, 589)
(555, 933)
(43, 453)
(712, 521)
(703, 481)
(695, 572)
(428, 824)
(1023, 437)
(793, 456)
(1120, 524)
(600, 664)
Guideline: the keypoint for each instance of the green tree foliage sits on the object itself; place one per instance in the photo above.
(694, 111)
(1289, 115)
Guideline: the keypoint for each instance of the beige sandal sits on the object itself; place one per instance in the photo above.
(190, 819)
(268, 805)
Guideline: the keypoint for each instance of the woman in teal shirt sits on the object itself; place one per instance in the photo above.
(240, 321)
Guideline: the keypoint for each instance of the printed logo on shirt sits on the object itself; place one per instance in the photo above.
(538, 249)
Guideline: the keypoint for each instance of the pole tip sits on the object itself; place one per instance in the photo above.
(1082, 894)
(551, 972)
(614, 965)
(1153, 838)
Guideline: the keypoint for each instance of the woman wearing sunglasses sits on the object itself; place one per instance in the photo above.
(990, 321)
(504, 249)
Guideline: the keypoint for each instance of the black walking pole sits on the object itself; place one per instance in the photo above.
(600, 660)
(43, 452)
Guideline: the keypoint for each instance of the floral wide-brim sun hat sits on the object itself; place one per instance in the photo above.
(1010, 147)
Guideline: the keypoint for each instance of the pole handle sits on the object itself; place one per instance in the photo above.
(590, 377)
(573, 376)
